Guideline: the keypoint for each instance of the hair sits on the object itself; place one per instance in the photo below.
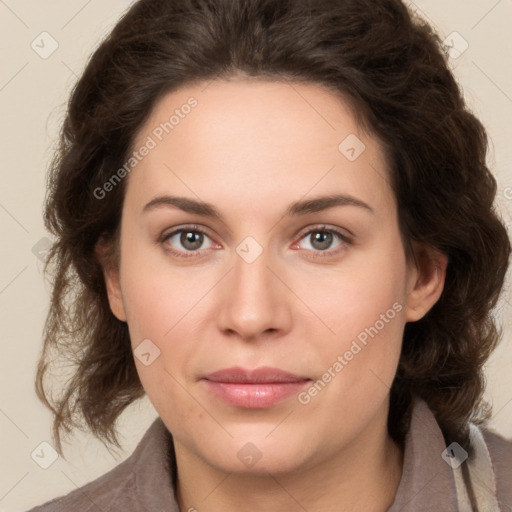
(392, 68)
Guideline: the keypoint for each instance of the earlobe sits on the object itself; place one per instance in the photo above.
(426, 282)
(112, 281)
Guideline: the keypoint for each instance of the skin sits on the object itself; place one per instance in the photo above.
(250, 148)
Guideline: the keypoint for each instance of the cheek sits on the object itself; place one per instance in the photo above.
(147, 311)
(158, 312)
(155, 297)
(372, 304)
(356, 297)
(163, 306)
(364, 306)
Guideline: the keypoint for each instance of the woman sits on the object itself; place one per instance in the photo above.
(281, 225)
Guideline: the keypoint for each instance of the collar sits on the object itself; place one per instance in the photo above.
(427, 481)
(154, 470)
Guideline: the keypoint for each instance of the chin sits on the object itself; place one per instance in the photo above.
(257, 456)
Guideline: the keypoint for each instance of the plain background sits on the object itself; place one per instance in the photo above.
(33, 92)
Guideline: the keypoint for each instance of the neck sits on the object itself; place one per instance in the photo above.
(364, 476)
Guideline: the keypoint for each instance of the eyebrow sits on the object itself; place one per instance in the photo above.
(297, 208)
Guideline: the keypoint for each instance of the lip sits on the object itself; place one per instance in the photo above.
(254, 389)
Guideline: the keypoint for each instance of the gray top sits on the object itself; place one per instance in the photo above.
(143, 482)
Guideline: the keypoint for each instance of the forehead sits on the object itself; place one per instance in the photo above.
(259, 140)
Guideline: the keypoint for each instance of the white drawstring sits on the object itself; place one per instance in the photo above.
(481, 473)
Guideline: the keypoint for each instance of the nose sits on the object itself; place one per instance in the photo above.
(255, 301)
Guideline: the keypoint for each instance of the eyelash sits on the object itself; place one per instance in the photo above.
(316, 229)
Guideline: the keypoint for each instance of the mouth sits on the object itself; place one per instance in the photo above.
(254, 389)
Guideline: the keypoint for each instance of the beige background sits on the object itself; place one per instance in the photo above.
(33, 92)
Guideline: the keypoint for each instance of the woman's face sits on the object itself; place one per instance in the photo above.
(281, 278)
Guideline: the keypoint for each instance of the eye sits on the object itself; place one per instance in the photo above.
(321, 239)
(190, 238)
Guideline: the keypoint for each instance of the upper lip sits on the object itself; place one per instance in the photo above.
(262, 375)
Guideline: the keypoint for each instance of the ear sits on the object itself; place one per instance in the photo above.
(105, 253)
(425, 281)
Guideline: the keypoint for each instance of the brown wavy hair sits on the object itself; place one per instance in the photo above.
(393, 69)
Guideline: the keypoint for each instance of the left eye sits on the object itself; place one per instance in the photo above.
(321, 239)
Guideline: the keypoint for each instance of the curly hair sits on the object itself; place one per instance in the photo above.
(392, 68)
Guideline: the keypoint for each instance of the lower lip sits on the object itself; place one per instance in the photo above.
(254, 396)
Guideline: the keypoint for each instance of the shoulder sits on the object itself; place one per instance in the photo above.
(144, 476)
(116, 485)
(500, 452)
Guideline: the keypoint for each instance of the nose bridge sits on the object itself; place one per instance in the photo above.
(253, 301)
